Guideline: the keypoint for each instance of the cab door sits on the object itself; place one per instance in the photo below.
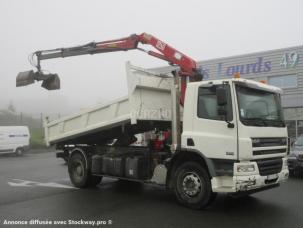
(214, 125)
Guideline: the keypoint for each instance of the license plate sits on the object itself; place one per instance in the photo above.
(272, 177)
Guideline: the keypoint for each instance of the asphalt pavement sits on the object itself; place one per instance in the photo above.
(35, 189)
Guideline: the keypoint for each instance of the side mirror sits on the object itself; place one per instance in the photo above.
(221, 93)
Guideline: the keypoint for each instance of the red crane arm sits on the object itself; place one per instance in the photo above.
(188, 66)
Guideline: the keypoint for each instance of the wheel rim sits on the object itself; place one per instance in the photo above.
(191, 184)
(78, 171)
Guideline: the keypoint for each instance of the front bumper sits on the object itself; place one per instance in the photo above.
(249, 181)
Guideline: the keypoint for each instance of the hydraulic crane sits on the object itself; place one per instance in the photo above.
(189, 71)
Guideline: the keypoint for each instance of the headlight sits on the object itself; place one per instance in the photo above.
(241, 168)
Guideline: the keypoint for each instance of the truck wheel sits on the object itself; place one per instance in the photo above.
(192, 186)
(79, 174)
(19, 152)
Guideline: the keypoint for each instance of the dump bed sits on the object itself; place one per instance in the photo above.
(147, 105)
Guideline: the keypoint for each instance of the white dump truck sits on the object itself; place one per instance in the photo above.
(233, 138)
(225, 136)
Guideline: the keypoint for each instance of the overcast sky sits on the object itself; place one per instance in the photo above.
(201, 29)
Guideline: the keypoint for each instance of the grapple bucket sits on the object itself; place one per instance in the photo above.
(52, 82)
(49, 81)
(25, 78)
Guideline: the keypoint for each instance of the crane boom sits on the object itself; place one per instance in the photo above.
(188, 66)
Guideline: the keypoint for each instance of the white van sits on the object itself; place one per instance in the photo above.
(14, 139)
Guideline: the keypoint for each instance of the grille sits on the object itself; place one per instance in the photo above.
(264, 142)
(269, 166)
(264, 152)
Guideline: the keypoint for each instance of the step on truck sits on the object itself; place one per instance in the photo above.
(225, 135)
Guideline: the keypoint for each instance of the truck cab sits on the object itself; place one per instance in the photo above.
(237, 126)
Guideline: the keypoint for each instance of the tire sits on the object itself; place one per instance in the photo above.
(192, 186)
(291, 173)
(79, 174)
(19, 152)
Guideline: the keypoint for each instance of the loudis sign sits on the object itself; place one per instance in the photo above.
(260, 65)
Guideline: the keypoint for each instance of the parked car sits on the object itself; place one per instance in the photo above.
(295, 158)
(14, 139)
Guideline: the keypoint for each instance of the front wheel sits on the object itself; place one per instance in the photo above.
(80, 175)
(192, 186)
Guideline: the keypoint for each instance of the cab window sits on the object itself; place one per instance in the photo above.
(208, 107)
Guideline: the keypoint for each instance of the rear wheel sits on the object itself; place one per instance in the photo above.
(80, 175)
(192, 186)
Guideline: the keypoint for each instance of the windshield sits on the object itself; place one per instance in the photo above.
(259, 108)
(299, 141)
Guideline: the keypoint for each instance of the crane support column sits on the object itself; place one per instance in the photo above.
(176, 131)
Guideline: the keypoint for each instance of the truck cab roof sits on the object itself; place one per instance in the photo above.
(244, 82)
